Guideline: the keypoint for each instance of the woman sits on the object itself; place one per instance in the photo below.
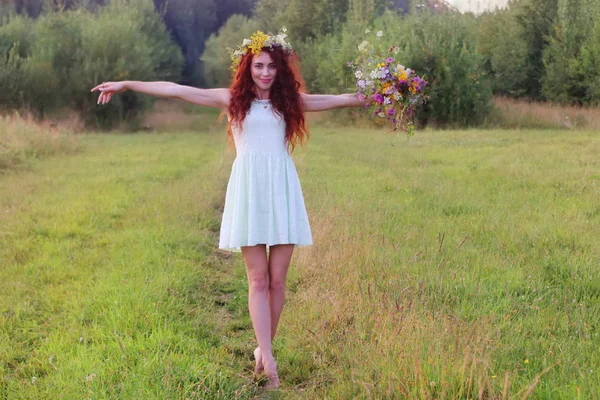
(264, 207)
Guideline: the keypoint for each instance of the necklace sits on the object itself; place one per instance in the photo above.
(265, 106)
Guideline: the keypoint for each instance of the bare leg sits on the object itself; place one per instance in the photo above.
(279, 262)
(255, 258)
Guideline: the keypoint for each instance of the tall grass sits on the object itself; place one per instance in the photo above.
(23, 138)
(506, 113)
(172, 116)
(520, 114)
(459, 264)
(455, 265)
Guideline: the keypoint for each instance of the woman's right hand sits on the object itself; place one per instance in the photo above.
(107, 89)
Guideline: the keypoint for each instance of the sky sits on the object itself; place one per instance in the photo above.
(477, 6)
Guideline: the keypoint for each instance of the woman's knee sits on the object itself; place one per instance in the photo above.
(277, 285)
(256, 267)
(259, 282)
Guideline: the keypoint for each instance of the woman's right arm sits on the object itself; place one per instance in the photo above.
(217, 98)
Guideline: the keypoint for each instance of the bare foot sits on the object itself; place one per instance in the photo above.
(258, 368)
(271, 371)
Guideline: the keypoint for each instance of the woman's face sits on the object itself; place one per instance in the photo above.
(263, 71)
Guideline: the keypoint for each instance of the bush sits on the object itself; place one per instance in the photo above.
(459, 88)
(15, 44)
(216, 57)
(124, 41)
(570, 57)
(506, 54)
(54, 61)
(590, 64)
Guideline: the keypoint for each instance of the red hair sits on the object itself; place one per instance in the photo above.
(285, 95)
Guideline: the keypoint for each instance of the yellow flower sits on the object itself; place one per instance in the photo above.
(258, 40)
(256, 43)
(527, 361)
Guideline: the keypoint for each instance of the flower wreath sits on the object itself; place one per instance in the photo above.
(256, 43)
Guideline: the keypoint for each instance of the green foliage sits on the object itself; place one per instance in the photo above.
(325, 58)
(590, 62)
(125, 41)
(216, 58)
(54, 61)
(361, 13)
(535, 18)
(505, 54)
(6, 11)
(324, 61)
(53, 64)
(548, 50)
(190, 23)
(270, 14)
(567, 74)
(325, 17)
(459, 87)
(15, 44)
(539, 49)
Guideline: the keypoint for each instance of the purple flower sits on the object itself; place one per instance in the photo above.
(378, 98)
(391, 111)
(389, 60)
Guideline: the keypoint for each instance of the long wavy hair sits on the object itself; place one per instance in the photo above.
(285, 95)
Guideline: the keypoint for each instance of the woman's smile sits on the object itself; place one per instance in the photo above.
(263, 73)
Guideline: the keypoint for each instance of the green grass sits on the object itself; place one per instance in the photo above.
(111, 285)
(459, 264)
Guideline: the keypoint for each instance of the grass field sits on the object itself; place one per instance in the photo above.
(459, 264)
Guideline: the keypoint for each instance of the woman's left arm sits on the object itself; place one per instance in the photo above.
(324, 102)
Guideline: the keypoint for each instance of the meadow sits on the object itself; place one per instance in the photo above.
(458, 264)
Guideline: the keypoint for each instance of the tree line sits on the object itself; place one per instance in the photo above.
(53, 51)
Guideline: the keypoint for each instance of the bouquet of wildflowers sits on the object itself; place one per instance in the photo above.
(393, 90)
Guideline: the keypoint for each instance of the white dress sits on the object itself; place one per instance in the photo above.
(264, 202)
